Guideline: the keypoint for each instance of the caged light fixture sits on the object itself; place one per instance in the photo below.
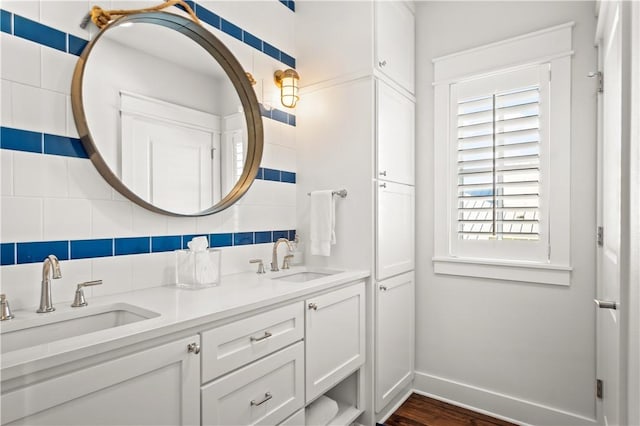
(287, 81)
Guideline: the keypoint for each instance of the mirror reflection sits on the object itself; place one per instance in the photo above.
(164, 116)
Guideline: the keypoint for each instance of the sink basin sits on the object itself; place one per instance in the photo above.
(301, 277)
(46, 328)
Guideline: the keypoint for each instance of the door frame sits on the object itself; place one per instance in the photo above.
(633, 385)
(629, 386)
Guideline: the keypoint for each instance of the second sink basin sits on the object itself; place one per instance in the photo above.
(304, 276)
(46, 328)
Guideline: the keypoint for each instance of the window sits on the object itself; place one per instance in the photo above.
(505, 160)
(498, 170)
(498, 165)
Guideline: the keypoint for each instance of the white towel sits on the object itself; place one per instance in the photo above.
(321, 411)
(323, 222)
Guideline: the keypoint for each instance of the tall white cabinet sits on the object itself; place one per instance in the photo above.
(356, 130)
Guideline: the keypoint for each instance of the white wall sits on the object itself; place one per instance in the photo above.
(51, 197)
(519, 350)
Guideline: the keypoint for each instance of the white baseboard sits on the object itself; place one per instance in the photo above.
(494, 404)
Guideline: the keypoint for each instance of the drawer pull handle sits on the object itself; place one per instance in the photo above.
(193, 348)
(267, 396)
(313, 306)
(258, 339)
(383, 288)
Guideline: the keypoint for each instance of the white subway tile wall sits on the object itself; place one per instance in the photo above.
(61, 198)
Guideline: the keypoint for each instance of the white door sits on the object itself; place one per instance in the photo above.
(334, 338)
(157, 386)
(170, 164)
(395, 42)
(609, 213)
(395, 226)
(395, 324)
(395, 139)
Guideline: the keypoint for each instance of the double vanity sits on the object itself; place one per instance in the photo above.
(258, 348)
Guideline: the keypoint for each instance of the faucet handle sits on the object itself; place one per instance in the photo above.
(260, 266)
(286, 261)
(79, 299)
(5, 313)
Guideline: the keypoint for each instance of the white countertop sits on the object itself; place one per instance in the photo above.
(179, 309)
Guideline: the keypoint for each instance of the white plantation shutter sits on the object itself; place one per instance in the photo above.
(499, 165)
(497, 147)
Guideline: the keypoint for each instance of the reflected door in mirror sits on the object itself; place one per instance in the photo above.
(170, 153)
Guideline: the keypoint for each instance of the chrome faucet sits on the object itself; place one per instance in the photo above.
(274, 255)
(46, 304)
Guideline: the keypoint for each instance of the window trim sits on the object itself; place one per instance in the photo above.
(549, 46)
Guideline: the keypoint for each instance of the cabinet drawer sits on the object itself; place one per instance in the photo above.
(265, 392)
(233, 345)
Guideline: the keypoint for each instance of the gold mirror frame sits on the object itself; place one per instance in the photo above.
(234, 71)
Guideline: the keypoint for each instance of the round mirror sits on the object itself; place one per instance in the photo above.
(167, 114)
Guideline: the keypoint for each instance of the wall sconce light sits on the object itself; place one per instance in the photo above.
(287, 81)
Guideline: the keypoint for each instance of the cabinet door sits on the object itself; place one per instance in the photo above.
(156, 386)
(395, 42)
(335, 327)
(394, 229)
(265, 392)
(396, 135)
(395, 324)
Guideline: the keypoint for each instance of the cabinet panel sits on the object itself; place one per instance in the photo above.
(395, 42)
(233, 345)
(395, 136)
(298, 419)
(335, 330)
(394, 229)
(265, 392)
(395, 325)
(153, 387)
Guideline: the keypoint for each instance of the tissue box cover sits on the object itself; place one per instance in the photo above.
(197, 269)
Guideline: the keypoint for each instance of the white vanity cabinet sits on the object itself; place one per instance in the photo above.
(395, 42)
(151, 387)
(394, 337)
(334, 337)
(263, 366)
(395, 123)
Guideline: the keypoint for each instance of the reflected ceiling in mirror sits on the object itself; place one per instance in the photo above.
(167, 114)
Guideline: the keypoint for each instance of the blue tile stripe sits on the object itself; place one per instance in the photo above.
(227, 27)
(290, 4)
(278, 115)
(34, 252)
(44, 143)
(275, 175)
(40, 143)
(47, 36)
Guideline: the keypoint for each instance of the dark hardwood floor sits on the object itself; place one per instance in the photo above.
(420, 410)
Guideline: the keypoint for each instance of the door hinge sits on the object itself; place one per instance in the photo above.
(600, 79)
(599, 389)
(213, 151)
(600, 236)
